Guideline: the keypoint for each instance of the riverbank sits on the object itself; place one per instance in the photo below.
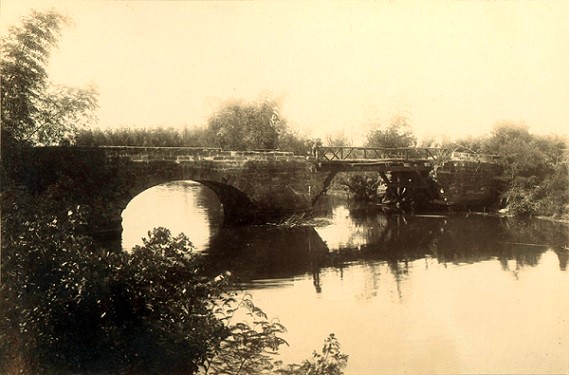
(342, 191)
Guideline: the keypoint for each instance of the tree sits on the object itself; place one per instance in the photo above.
(33, 110)
(292, 141)
(338, 139)
(245, 126)
(534, 172)
(397, 134)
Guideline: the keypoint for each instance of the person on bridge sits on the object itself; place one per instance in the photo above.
(317, 144)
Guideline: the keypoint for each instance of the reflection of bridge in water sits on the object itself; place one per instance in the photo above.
(268, 252)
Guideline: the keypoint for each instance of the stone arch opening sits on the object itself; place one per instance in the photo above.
(196, 208)
(236, 207)
(254, 187)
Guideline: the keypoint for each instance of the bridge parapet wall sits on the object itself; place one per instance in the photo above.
(192, 154)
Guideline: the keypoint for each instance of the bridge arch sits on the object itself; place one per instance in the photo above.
(238, 208)
(181, 206)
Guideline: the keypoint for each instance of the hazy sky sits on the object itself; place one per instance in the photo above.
(451, 67)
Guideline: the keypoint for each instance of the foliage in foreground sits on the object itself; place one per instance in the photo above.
(253, 342)
(330, 362)
(67, 306)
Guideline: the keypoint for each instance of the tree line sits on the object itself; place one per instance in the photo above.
(237, 126)
(243, 126)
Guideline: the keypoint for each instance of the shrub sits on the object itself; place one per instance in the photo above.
(70, 307)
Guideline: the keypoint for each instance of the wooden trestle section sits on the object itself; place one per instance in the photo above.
(409, 175)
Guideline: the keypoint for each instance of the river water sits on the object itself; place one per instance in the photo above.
(404, 294)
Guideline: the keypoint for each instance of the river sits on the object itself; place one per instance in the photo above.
(404, 294)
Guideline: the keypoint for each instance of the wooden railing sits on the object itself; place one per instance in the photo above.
(331, 153)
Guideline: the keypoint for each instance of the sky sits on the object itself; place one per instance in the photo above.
(452, 68)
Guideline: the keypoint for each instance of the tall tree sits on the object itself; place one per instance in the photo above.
(338, 139)
(244, 126)
(33, 110)
(397, 134)
(520, 155)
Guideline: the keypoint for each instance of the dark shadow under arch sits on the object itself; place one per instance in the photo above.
(237, 207)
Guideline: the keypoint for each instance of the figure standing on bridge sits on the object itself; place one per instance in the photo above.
(315, 148)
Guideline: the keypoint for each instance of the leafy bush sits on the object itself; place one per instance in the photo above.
(534, 169)
(69, 307)
(249, 347)
(331, 362)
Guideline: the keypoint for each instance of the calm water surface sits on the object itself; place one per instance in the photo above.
(408, 294)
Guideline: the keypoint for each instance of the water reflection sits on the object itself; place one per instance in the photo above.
(266, 252)
(369, 235)
(346, 234)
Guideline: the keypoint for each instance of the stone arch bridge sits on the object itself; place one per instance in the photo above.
(253, 186)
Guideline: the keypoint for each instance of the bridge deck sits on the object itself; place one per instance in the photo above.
(328, 158)
(380, 165)
(344, 159)
(389, 159)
